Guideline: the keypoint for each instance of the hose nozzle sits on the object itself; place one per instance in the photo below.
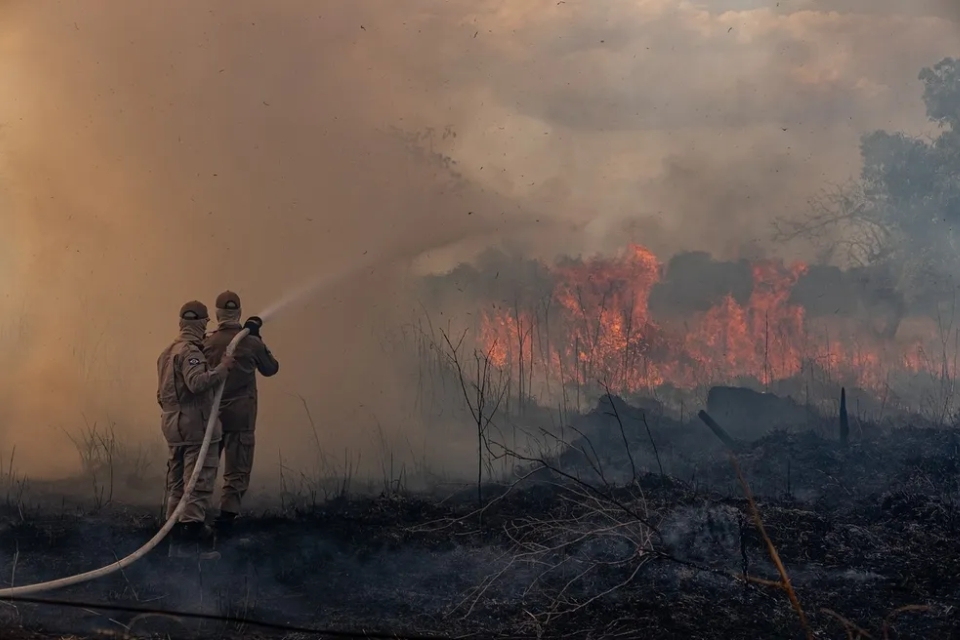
(253, 324)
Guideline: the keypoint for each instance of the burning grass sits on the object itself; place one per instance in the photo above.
(595, 321)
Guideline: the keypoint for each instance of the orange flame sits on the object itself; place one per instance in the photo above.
(605, 333)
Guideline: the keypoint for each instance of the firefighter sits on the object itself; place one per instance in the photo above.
(185, 391)
(238, 409)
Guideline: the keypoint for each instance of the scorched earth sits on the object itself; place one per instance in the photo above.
(640, 528)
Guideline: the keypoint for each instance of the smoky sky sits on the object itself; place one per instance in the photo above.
(152, 153)
(155, 154)
(612, 106)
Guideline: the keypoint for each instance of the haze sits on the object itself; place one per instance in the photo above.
(152, 153)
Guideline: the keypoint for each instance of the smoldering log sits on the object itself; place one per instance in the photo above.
(718, 431)
(752, 414)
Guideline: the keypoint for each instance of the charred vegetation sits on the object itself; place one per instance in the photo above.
(632, 518)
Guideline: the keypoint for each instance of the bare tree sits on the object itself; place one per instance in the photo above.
(483, 396)
(843, 223)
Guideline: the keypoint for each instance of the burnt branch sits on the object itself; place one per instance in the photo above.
(483, 397)
(623, 433)
(842, 220)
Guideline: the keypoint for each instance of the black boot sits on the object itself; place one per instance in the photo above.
(193, 540)
(180, 541)
(224, 524)
(206, 543)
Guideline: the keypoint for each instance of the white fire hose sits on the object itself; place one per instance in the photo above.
(164, 530)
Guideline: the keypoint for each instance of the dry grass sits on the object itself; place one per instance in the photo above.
(784, 582)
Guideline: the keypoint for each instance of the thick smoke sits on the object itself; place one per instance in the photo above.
(156, 152)
(692, 125)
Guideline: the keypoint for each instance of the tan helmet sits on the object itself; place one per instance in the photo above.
(194, 310)
(228, 300)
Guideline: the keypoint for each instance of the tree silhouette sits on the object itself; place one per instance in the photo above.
(903, 212)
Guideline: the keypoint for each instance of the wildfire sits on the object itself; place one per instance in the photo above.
(597, 326)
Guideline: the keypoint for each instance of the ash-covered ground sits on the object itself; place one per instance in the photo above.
(592, 543)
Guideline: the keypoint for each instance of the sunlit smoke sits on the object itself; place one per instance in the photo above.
(313, 287)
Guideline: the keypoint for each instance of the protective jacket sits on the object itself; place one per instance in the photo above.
(186, 387)
(251, 356)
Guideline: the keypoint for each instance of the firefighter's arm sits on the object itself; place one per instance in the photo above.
(267, 364)
(197, 376)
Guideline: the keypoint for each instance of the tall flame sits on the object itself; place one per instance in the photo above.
(597, 327)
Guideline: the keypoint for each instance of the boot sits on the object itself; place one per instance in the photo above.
(179, 541)
(192, 540)
(224, 524)
(206, 543)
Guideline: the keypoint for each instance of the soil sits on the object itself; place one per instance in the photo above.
(869, 536)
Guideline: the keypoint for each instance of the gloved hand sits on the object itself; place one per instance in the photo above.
(253, 325)
(228, 362)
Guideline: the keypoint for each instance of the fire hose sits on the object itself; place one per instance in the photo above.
(123, 563)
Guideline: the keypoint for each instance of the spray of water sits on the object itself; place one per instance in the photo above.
(314, 286)
(482, 235)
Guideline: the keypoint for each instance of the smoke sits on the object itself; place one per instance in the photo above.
(152, 153)
(155, 154)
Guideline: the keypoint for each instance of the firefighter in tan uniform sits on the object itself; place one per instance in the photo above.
(185, 391)
(238, 409)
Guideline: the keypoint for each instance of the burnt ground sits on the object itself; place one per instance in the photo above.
(868, 536)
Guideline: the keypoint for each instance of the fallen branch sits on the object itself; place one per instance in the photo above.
(718, 431)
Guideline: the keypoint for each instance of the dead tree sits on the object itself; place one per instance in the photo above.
(482, 395)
